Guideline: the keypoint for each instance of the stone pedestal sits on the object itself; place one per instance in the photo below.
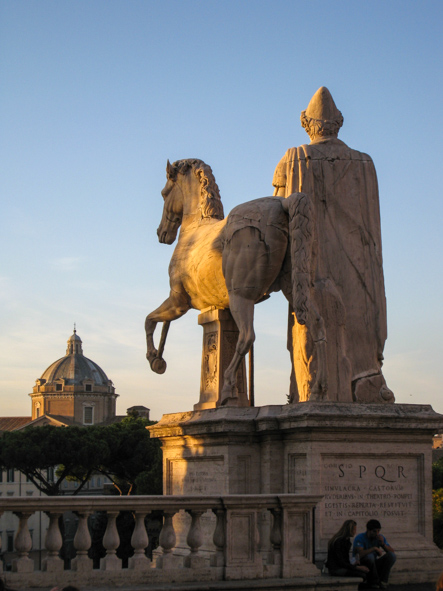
(365, 460)
(220, 335)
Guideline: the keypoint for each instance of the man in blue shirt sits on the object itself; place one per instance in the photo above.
(373, 551)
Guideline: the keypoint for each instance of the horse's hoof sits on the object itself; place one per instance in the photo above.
(158, 365)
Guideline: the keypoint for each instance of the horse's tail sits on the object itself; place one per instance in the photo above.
(301, 231)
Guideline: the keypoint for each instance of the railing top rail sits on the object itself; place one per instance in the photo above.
(153, 503)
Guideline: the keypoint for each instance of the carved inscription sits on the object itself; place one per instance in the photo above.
(297, 473)
(369, 487)
(195, 476)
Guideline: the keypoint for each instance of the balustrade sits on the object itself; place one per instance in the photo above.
(236, 550)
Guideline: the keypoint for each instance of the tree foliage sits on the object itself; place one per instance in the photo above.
(437, 501)
(437, 474)
(134, 463)
(123, 451)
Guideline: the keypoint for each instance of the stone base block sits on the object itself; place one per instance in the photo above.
(364, 460)
(168, 561)
(217, 559)
(23, 565)
(53, 564)
(272, 571)
(81, 564)
(110, 562)
(241, 572)
(139, 562)
(299, 569)
(194, 561)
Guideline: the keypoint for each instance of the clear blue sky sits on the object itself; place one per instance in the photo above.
(96, 95)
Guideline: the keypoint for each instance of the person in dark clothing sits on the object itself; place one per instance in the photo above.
(339, 547)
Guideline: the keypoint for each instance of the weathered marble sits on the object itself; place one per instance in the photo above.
(347, 272)
(364, 460)
(263, 246)
(235, 533)
(220, 336)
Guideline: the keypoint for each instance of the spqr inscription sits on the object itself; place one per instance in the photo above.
(367, 488)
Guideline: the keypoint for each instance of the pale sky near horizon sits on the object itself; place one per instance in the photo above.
(96, 95)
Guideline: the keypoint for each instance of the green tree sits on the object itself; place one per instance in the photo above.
(437, 474)
(123, 452)
(134, 463)
(437, 501)
(37, 451)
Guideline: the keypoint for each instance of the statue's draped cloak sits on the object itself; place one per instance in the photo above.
(348, 273)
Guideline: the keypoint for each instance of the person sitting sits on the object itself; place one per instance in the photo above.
(339, 547)
(373, 551)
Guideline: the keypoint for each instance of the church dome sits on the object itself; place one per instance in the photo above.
(74, 389)
(75, 368)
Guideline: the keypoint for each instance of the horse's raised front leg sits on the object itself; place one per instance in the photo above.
(242, 311)
(171, 309)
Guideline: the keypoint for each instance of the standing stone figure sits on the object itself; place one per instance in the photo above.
(348, 274)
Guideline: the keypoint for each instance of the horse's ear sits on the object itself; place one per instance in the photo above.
(169, 170)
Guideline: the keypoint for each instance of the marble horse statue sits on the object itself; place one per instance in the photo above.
(264, 245)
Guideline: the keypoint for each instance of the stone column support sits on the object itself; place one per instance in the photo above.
(194, 541)
(276, 536)
(82, 543)
(139, 542)
(23, 545)
(220, 336)
(167, 542)
(219, 538)
(111, 542)
(53, 542)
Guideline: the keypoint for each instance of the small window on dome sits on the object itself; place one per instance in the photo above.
(88, 415)
(88, 387)
(59, 387)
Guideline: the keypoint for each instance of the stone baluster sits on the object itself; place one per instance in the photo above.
(194, 541)
(111, 542)
(53, 542)
(139, 542)
(82, 543)
(219, 538)
(23, 545)
(167, 541)
(276, 536)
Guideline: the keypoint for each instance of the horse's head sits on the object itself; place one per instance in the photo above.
(190, 191)
(172, 209)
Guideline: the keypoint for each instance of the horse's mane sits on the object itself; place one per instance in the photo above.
(210, 200)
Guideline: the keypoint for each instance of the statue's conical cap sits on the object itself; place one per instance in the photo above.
(322, 106)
